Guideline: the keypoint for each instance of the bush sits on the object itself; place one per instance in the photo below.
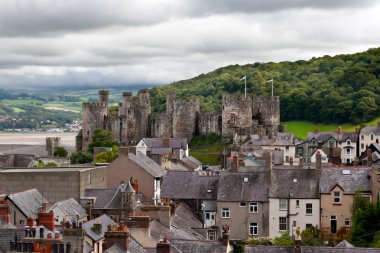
(107, 156)
(81, 157)
(60, 152)
(284, 240)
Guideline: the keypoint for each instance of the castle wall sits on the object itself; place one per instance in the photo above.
(161, 125)
(94, 117)
(267, 111)
(210, 122)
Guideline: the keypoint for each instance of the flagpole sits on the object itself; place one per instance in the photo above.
(272, 87)
(245, 87)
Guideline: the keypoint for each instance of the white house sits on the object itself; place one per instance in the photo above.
(324, 158)
(369, 135)
(293, 200)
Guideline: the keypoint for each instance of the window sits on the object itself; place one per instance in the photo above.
(243, 204)
(309, 208)
(253, 229)
(333, 224)
(336, 197)
(211, 235)
(347, 222)
(348, 142)
(362, 137)
(371, 137)
(309, 226)
(348, 151)
(331, 143)
(297, 203)
(225, 213)
(283, 204)
(282, 224)
(313, 142)
(287, 158)
(362, 146)
(287, 148)
(253, 207)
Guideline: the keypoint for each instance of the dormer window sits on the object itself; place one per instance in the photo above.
(313, 142)
(348, 142)
(371, 137)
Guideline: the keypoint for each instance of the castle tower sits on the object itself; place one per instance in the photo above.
(170, 101)
(144, 96)
(103, 97)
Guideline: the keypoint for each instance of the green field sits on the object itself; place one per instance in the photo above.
(301, 128)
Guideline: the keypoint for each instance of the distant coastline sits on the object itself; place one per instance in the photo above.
(67, 139)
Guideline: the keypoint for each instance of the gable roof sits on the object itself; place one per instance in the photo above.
(102, 196)
(325, 136)
(28, 202)
(195, 246)
(115, 201)
(104, 220)
(147, 164)
(70, 207)
(356, 180)
(232, 187)
(370, 130)
(294, 183)
(188, 185)
(165, 142)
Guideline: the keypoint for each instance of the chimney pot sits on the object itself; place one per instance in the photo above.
(340, 130)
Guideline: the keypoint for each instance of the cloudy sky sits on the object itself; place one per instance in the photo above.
(149, 42)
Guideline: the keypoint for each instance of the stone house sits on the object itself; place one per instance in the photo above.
(338, 186)
(24, 205)
(293, 200)
(199, 192)
(242, 205)
(369, 135)
(340, 147)
(137, 165)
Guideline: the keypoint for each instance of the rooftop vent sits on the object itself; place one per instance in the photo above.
(245, 180)
(294, 180)
(208, 190)
(346, 172)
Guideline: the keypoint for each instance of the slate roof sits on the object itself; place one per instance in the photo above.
(181, 226)
(191, 163)
(104, 220)
(232, 187)
(115, 201)
(159, 142)
(102, 196)
(370, 130)
(147, 164)
(70, 207)
(28, 202)
(282, 139)
(358, 179)
(189, 185)
(296, 183)
(196, 246)
(325, 136)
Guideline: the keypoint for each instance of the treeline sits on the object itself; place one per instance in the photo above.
(343, 88)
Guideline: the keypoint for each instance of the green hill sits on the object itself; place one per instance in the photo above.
(338, 89)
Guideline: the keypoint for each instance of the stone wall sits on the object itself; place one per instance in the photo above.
(7, 235)
(210, 122)
(185, 118)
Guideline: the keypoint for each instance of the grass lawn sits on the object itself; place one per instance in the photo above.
(18, 110)
(208, 155)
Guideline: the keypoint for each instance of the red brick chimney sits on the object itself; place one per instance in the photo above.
(46, 218)
(135, 185)
(163, 246)
(234, 164)
(340, 130)
(116, 236)
(356, 130)
(225, 235)
(4, 211)
(166, 143)
(30, 222)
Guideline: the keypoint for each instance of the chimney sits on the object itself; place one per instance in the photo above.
(356, 130)
(319, 144)
(119, 236)
(268, 159)
(166, 142)
(300, 164)
(340, 130)
(135, 185)
(30, 222)
(163, 246)
(318, 163)
(235, 164)
(46, 218)
(369, 157)
(97, 227)
(225, 235)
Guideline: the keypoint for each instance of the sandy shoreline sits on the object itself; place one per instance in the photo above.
(67, 139)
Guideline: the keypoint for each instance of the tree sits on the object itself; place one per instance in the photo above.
(284, 240)
(107, 156)
(60, 152)
(311, 237)
(80, 157)
(101, 138)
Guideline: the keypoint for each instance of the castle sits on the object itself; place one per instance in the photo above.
(133, 119)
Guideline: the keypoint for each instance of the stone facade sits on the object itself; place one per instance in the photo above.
(133, 119)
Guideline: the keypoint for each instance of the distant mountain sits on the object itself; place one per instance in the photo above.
(342, 88)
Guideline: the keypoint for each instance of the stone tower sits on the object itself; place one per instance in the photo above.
(94, 116)
(128, 198)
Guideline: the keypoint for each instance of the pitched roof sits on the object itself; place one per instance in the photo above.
(70, 207)
(165, 142)
(147, 164)
(344, 244)
(325, 136)
(232, 187)
(349, 179)
(188, 185)
(104, 220)
(370, 130)
(186, 161)
(115, 201)
(28, 202)
(294, 183)
(195, 246)
(102, 196)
